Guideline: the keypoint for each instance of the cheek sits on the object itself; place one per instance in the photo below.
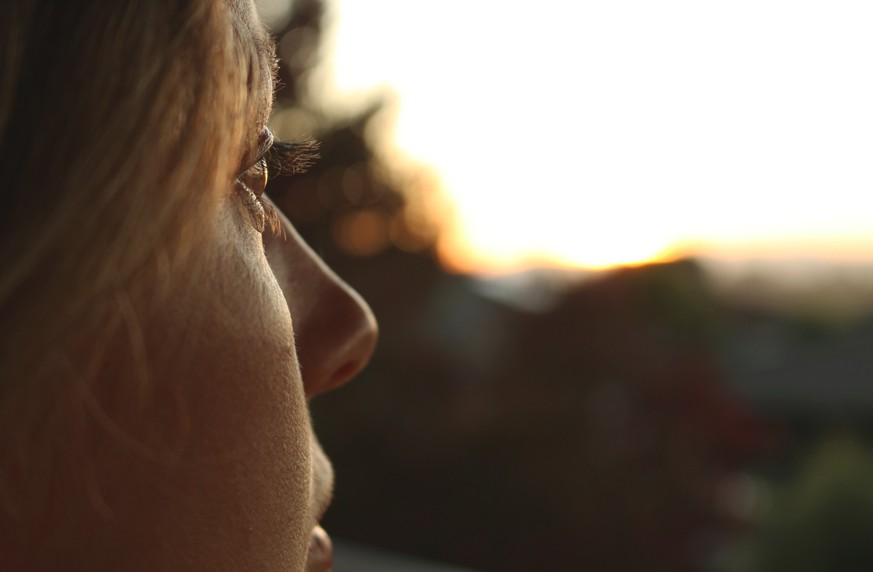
(250, 432)
(227, 470)
(249, 419)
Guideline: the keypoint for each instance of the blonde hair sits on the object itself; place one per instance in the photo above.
(119, 121)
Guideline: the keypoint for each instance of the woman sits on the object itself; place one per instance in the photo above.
(152, 410)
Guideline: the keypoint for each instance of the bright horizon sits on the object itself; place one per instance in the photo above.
(596, 134)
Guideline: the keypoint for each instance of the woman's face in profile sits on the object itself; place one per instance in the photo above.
(227, 474)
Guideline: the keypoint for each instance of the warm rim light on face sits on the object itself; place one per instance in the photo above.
(607, 133)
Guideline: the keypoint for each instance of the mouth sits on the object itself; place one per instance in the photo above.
(320, 556)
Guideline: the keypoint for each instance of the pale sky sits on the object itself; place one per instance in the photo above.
(594, 133)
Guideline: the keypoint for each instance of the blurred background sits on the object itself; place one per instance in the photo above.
(622, 258)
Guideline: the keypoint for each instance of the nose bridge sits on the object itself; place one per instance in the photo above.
(335, 330)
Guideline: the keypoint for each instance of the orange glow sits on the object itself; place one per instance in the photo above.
(361, 233)
(463, 259)
(460, 255)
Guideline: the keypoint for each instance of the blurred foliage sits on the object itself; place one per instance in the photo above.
(351, 202)
(597, 433)
(822, 518)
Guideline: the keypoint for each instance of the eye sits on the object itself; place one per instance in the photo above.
(255, 177)
(252, 181)
(281, 158)
(250, 186)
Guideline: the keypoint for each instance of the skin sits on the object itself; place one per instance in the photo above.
(210, 462)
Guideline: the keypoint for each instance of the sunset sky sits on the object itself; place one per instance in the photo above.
(598, 133)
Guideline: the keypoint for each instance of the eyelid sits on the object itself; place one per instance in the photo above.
(265, 143)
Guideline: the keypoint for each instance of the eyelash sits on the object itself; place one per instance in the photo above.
(279, 158)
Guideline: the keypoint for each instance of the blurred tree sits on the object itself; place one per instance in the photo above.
(351, 202)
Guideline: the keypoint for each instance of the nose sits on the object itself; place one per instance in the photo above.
(335, 330)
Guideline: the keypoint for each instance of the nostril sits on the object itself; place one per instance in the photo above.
(345, 373)
(337, 378)
(350, 358)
